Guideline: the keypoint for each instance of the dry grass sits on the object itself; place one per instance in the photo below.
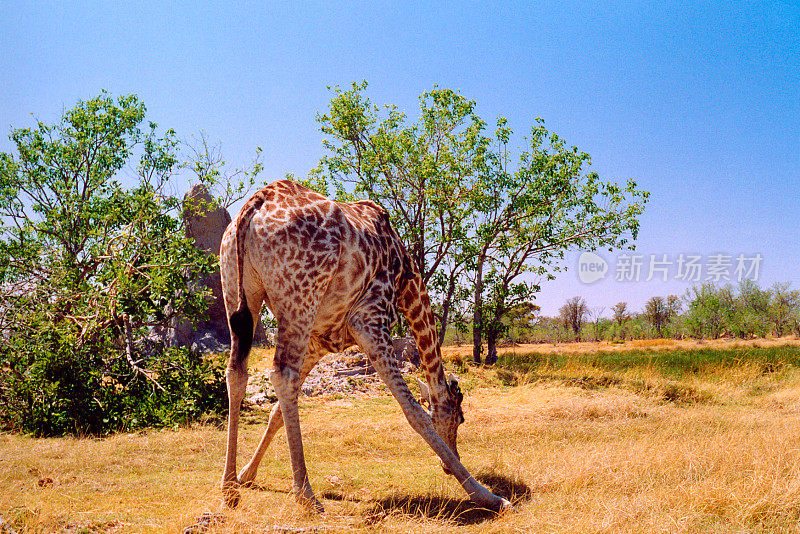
(593, 454)
(660, 342)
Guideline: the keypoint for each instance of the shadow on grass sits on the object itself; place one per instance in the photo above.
(258, 487)
(458, 511)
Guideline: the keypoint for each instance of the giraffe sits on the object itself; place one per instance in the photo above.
(333, 275)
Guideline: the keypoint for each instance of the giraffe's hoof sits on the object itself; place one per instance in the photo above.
(310, 502)
(246, 477)
(317, 507)
(230, 495)
(498, 504)
(232, 499)
(312, 505)
(505, 506)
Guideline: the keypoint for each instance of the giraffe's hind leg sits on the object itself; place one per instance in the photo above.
(293, 341)
(248, 473)
(242, 325)
(236, 380)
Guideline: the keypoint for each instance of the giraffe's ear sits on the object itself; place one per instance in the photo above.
(424, 392)
(452, 384)
(408, 269)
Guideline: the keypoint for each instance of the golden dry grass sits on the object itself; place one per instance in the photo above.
(582, 456)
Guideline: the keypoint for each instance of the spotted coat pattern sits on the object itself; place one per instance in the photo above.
(333, 275)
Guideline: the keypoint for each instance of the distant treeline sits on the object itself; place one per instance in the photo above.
(706, 311)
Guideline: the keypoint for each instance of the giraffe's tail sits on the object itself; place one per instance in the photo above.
(241, 321)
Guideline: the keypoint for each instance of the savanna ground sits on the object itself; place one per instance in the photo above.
(655, 436)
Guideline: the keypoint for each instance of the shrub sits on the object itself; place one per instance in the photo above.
(55, 387)
(88, 267)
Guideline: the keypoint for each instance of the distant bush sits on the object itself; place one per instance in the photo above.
(573, 315)
(706, 311)
(714, 311)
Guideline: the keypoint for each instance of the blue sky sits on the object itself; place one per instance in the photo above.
(700, 104)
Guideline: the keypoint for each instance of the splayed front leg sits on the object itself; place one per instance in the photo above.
(373, 336)
(421, 422)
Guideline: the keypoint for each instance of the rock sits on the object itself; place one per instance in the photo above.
(342, 373)
(205, 221)
(405, 350)
(205, 224)
(207, 520)
(259, 389)
(209, 343)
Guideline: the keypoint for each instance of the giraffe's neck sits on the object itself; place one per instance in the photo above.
(416, 307)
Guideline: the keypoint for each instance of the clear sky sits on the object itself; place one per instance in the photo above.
(699, 103)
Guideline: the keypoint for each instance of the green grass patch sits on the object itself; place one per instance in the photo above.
(676, 376)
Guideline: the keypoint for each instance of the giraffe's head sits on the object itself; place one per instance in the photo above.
(446, 413)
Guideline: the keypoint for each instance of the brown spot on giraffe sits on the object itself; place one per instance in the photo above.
(326, 271)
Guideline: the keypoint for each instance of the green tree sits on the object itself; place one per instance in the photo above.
(573, 315)
(421, 172)
(753, 311)
(710, 310)
(714, 311)
(466, 218)
(504, 297)
(521, 318)
(658, 311)
(784, 308)
(87, 267)
(527, 219)
(621, 317)
(599, 323)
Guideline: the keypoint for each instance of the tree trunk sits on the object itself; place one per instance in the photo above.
(477, 318)
(494, 329)
(448, 300)
(418, 253)
(491, 341)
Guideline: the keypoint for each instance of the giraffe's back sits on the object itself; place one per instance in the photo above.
(305, 252)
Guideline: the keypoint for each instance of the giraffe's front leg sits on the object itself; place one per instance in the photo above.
(371, 334)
